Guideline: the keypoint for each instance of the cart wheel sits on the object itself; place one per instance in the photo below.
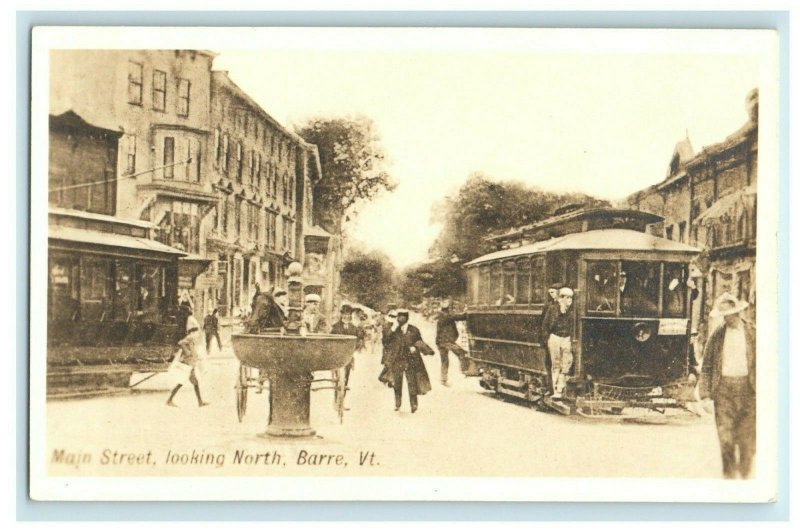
(241, 392)
(339, 392)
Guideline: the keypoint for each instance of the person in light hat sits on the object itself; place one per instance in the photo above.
(313, 320)
(550, 311)
(558, 327)
(729, 379)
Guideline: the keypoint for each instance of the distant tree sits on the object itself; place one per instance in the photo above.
(368, 277)
(352, 161)
(481, 207)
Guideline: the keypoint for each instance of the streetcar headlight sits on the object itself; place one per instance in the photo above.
(642, 331)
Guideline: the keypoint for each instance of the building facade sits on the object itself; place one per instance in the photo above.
(159, 101)
(198, 158)
(708, 200)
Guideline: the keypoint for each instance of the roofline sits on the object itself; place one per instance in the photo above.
(85, 215)
(553, 220)
(249, 99)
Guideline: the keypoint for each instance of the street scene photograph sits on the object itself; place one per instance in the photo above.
(394, 254)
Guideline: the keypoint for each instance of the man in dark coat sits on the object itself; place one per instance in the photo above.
(402, 357)
(729, 379)
(345, 326)
(211, 328)
(446, 336)
(558, 327)
(184, 311)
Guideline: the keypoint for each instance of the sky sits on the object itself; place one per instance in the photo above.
(575, 120)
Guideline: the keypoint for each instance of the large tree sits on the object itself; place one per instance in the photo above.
(352, 161)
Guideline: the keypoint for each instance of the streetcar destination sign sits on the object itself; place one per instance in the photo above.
(672, 326)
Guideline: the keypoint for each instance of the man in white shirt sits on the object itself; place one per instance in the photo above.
(729, 378)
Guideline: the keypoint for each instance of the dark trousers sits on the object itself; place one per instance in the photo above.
(444, 353)
(209, 336)
(735, 414)
(397, 384)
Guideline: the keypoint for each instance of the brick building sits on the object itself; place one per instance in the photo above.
(708, 200)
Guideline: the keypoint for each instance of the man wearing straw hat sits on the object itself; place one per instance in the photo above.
(729, 379)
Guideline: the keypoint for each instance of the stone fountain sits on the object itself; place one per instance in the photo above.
(288, 358)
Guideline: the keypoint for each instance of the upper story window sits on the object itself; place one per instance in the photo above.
(225, 152)
(134, 83)
(169, 157)
(239, 162)
(130, 154)
(159, 90)
(184, 88)
(682, 232)
(668, 233)
(217, 145)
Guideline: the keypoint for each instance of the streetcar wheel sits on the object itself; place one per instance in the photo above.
(241, 392)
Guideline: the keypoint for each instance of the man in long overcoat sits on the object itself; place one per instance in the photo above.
(402, 357)
(729, 379)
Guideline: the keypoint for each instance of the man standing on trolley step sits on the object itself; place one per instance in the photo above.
(550, 308)
(729, 379)
(446, 336)
(558, 328)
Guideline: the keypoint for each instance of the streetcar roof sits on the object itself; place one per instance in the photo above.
(599, 240)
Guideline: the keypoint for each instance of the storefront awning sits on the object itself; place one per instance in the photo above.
(111, 240)
(723, 206)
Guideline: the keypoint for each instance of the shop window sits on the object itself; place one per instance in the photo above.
(63, 288)
(134, 83)
(159, 90)
(95, 294)
(150, 290)
(123, 286)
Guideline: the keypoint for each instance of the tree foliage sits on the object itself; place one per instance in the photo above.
(483, 206)
(368, 277)
(479, 208)
(352, 161)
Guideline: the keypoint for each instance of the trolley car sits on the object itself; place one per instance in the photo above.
(632, 306)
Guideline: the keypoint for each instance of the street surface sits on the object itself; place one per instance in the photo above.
(458, 430)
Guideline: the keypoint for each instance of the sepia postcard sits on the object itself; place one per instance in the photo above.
(410, 264)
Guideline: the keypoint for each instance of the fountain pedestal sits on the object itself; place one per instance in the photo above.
(290, 406)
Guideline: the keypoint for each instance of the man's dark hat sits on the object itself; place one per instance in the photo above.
(279, 293)
(556, 286)
(346, 308)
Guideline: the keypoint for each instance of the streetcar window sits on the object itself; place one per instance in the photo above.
(638, 288)
(524, 281)
(485, 286)
(537, 280)
(473, 278)
(601, 286)
(497, 284)
(509, 275)
(676, 277)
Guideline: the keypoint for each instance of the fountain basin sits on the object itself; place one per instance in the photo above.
(278, 353)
